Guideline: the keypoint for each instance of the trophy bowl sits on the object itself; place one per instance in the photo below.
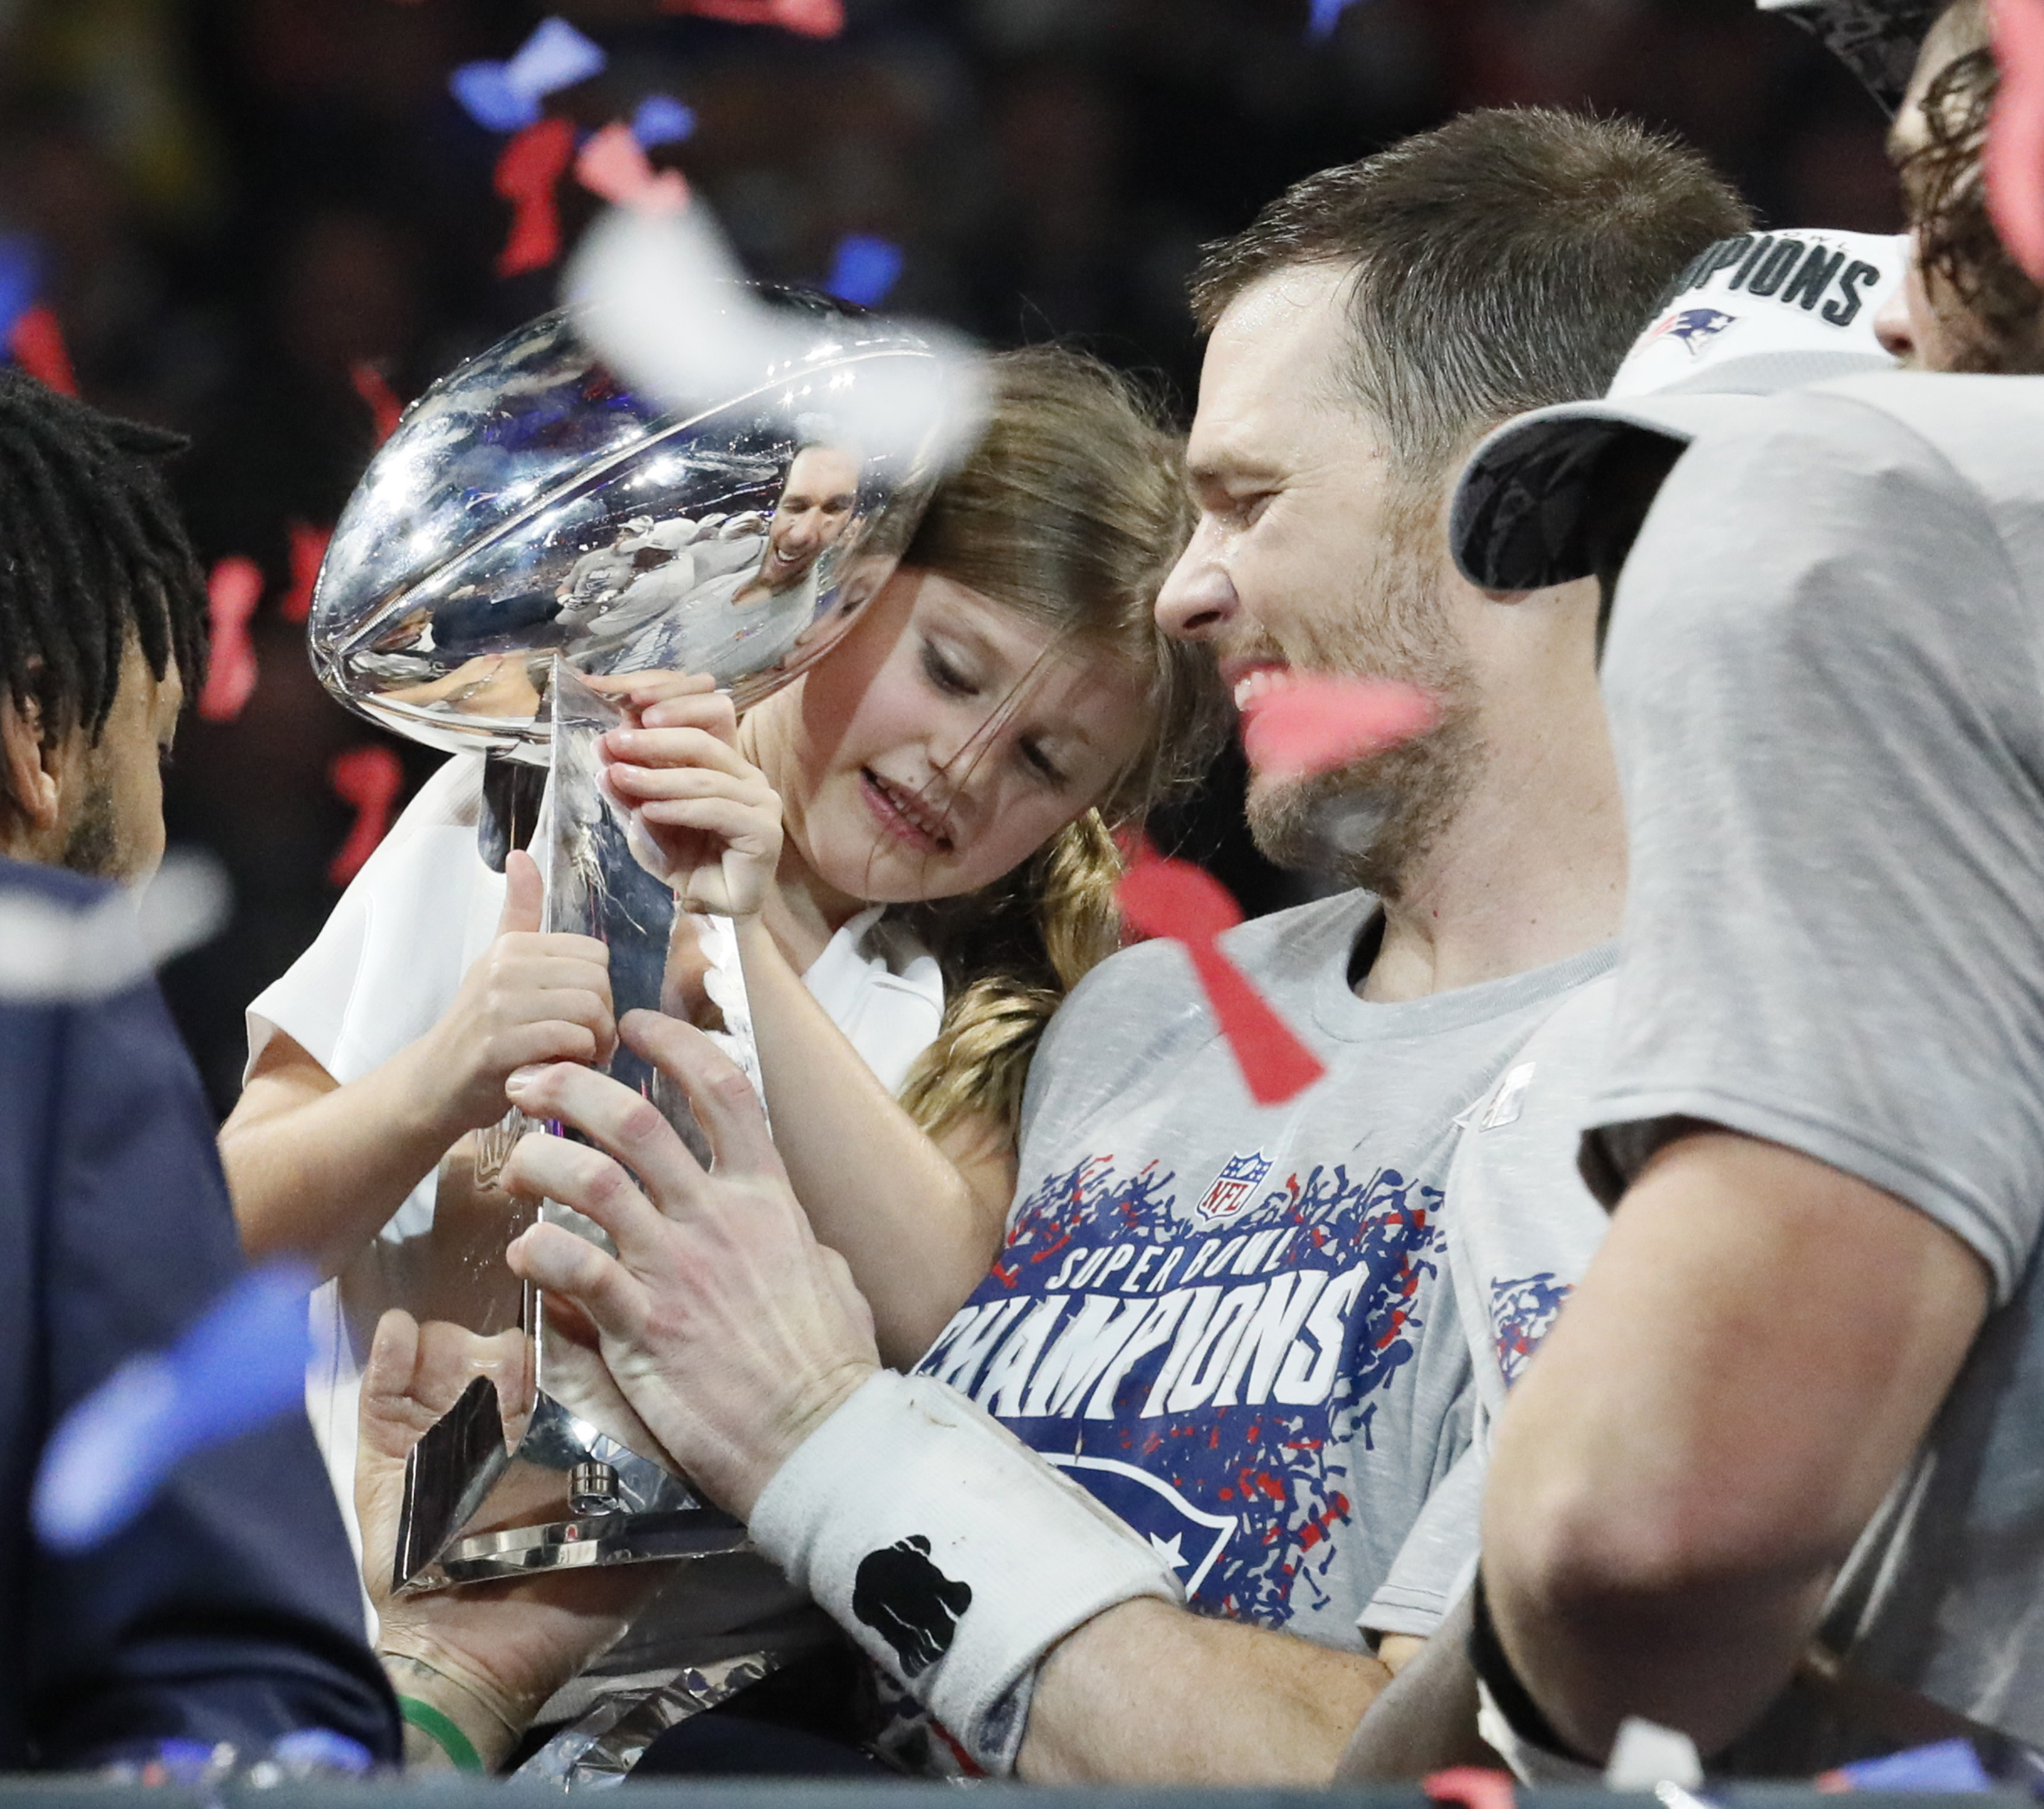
(531, 503)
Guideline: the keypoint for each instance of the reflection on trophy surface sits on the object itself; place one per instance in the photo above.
(533, 521)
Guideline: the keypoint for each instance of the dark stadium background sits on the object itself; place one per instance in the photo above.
(241, 200)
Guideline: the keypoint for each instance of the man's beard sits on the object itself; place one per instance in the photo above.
(1369, 821)
(93, 846)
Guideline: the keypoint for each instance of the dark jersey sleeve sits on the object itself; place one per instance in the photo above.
(228, 1610)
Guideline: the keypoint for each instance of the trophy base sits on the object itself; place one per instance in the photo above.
(591, 1540)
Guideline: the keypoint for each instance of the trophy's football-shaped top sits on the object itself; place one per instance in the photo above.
(531, 503)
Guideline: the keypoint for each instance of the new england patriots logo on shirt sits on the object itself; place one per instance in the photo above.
(1239, 1178)
(1214, 1384)
(1694, 327)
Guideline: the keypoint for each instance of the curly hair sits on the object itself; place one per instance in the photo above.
(2001, 327)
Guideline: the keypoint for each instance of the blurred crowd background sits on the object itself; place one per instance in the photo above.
(239, 201)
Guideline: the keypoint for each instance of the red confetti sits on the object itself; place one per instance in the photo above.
(532, 162)
(1308, 724)
(1471, 1786)
(614, 164)
(369, 777)
(375, 389)
(38, 343)
(809, 18)
(308, 550)
(2012, 163)
(233, 590)
(1177, 899)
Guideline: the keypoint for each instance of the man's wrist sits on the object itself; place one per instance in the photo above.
(435, 1690)
(800, 1424)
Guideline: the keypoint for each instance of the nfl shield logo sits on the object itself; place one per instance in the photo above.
(1239, 1179)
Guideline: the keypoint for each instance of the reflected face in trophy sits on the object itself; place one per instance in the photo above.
(815, 504)
(942, 742)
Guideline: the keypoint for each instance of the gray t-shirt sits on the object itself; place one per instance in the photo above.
(1233, 1324)
(1823, 682)
(1521, 1229)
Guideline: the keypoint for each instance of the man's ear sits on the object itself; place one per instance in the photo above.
(29, 764)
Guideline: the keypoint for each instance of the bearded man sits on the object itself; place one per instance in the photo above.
(1146, 1510)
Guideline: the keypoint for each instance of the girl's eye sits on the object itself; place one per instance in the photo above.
(1040, 763)
(941, 674)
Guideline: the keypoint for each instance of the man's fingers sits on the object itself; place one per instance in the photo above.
(525, 894)
(620, 1121)
(553, 1257)
(725, 1104)
(552, 1168)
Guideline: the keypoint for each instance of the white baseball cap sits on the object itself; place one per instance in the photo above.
(1751, 315)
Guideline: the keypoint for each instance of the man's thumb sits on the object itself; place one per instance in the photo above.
(524, 896)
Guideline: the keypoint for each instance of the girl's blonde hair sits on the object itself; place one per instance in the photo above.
(1072, 510)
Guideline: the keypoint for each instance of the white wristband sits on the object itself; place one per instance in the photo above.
(955, 1555)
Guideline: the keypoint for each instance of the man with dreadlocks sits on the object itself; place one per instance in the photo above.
(1794, 1413)
(228, 1610)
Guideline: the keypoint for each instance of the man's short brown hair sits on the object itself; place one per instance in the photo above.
(1504, 262)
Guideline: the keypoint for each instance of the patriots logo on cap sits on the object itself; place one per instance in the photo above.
(1240, 1177)
(1694, 327)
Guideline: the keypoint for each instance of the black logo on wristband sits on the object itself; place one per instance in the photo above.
(909, 1603)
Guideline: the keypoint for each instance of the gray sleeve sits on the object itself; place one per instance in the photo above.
(1824, 698)
(1438, 1556)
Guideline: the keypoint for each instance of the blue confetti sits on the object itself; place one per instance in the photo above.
(505, 96)
(662, 120)
(864, 269)
(1949, 1765)
(20, 274)
(314, 1752)
(1327, 15)
(486, 96)
(241, 1364)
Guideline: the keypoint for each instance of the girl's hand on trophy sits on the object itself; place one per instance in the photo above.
(531, 997)
(700, 703)
(731, 1330)
(709, 824)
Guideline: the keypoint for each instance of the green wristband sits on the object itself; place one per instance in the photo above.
(441, 1730)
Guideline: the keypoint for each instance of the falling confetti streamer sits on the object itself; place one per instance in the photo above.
(241, 1365)
(666, 306)
(660, 119)
(368, 777)
(1327, 15)
(2012, 163)
(1306, 724)
(532, 163)
(863, 270)
(807, 18)
(37, 342)
(233, 590)
(375, 389)
(1471, 1786)
(1176, 899)
(20, 274)
(505, 96)
(612, 164)
(308, 550)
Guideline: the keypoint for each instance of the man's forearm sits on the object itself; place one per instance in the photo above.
(1426, 1720)
(1742, 1372)
(1149, 1693)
